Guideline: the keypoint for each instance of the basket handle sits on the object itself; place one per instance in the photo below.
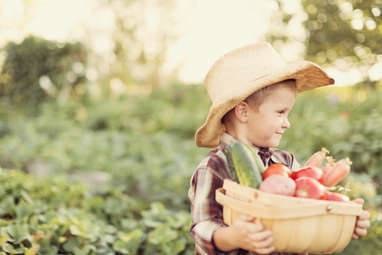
(271, 212)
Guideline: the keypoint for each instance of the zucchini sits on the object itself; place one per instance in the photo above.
(246, 168)
(258, 161)
(231, 168)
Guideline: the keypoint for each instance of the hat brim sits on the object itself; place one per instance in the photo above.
(307, 75)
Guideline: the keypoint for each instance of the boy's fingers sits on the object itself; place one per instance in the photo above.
(264, 250)
(363, 224)
(255, 228)
(259, 236)
(355, 236)
(361, 231)
(265, 243)
(246, 217)
(359, 201)
(364, 215)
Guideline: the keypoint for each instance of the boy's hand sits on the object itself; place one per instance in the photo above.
(251, 236)
(362, 223)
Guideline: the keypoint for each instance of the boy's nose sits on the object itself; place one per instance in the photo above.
(286, 123)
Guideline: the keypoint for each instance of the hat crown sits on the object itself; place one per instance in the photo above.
(235, 71)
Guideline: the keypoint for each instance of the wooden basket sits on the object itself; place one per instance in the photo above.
(298, 224)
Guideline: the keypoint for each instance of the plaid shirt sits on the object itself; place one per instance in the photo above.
(207, 214)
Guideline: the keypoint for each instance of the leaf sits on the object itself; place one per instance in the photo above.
(75, 230)
(3, 240)
(11, 249)
(24, 210)
(129, 242)
(18, 233)
(32, 251)
(71, 244)
(174, 247)
(62, 239)
(8, 247)
(82, 251)
(26, 196)
(162, 234)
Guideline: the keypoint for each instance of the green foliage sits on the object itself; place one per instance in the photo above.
(131, 138)
(153, 136)
(144, 145)
(337, 28)
(57, 216)
(338, 32)
(37, 69)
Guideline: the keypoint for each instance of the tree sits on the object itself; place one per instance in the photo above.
(137, 36)
(37, 69)
(142, 34)
(338, 33)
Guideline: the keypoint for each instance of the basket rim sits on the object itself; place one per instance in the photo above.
(280, 201)
(274, 212)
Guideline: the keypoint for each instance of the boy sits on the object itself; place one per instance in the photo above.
(252, 91)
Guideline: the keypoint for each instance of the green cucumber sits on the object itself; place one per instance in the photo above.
(246, 168)
(259, 163)
(231, 167)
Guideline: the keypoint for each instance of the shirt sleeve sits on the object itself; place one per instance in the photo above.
(205, 211)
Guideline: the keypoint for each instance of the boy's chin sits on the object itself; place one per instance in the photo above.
(274, 143)
(270, 143)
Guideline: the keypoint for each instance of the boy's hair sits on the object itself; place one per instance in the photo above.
(258, 97)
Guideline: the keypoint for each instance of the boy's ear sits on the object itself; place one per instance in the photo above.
(241, 111)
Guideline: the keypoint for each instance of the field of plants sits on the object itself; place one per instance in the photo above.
(110, 174)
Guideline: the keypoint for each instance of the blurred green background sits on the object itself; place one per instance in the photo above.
(96, 156)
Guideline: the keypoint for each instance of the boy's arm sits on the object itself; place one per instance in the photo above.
(210, 234)
(205, 211)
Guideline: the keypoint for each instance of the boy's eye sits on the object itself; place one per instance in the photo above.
(281, 112)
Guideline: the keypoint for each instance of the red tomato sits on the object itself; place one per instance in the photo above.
(335, 196)
(310, 171)
(278, 169)
(307, 187)
(324, 196)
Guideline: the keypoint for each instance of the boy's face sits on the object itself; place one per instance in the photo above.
(267, 123)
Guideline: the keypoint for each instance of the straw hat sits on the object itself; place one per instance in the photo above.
(241, 72)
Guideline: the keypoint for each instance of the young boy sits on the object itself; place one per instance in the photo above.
(252, 91)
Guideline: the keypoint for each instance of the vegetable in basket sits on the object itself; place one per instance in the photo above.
(310, 171)
(276, 169)
(335, 196)
(336, 172)
(317, 158)
(246, 163)
(307, 187)
(278, 184)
